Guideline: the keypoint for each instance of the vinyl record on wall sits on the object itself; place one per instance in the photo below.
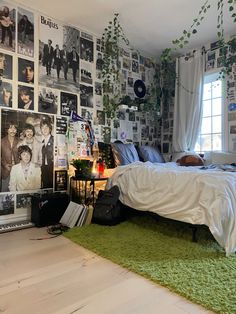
(139, 88)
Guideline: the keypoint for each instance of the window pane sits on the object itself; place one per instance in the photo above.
(206, 108)
(206, 125)
(217, 142)
(216, 124)
(216, 106)
(197, 145)
(205, 143)
(207, 91)
(216, 89)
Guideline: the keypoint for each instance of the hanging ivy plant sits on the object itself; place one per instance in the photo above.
(228, 48)
(112, 38)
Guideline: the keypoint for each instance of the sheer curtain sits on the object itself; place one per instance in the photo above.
(188, 101)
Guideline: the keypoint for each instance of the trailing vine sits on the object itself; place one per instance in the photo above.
(228, 48)
(112, 38)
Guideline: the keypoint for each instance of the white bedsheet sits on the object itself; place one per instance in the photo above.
(186, 194)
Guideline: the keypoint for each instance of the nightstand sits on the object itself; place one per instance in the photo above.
(82, 189)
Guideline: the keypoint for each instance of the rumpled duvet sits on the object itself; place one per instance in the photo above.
(187, 194)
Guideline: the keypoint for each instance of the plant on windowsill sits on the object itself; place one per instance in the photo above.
(112, 38)
(83, 168)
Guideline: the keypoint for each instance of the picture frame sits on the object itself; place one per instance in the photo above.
(61, 180)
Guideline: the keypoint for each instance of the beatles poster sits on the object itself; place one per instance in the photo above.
(59, 60)
(27, 151)
(8, 26)
(25, 33)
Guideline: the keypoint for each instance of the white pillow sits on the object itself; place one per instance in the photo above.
(223, 158)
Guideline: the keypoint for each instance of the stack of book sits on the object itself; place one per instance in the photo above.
(75, 215)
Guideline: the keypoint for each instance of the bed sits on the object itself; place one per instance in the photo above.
(194, 195)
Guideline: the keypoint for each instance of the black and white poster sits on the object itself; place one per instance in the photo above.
(25, 33)
(86, 96)
(25, 71)
(48, 100)
(59, 60)
(8, 26)
(68, 103)
(86, 49)
(6, 204)
(27, 151)
(5, 66)
(25, 97)
(6, 94)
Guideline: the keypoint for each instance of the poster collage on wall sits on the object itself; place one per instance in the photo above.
(47, 70)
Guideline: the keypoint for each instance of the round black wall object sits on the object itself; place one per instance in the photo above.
(139, 88)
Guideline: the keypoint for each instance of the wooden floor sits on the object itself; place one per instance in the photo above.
(57, 276)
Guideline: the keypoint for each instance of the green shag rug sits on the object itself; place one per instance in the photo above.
(162, 251)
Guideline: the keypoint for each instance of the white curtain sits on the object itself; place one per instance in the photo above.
(188, 101)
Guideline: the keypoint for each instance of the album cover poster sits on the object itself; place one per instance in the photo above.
(106, 134)
(87, 114)
(101, 117)
(6, 94)
(8, 25)
(6, 66)
(48, 100)
(25, 97)
(86, 49)
(98, 102)
(7, 204)
(86, 73)
(61, 159)
(68, 103)
(98, 88)
(25, 71)
(86, 96)
(32, 149)
(59, 61)
(99, 61)
(25, 32)
(23, 205)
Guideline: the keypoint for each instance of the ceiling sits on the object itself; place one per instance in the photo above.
(149, 25)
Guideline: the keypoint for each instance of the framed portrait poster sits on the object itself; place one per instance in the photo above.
(61, 180)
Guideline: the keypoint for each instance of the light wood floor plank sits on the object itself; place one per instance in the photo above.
(57, 276)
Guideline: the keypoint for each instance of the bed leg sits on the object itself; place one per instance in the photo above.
(194, 234)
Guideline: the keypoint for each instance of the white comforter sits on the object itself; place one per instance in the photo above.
(186, 194)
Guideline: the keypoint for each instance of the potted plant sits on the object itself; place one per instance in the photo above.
(83, 167)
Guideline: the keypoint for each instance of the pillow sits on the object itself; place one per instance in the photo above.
(149, 153)
(190, 160)
(124, 154)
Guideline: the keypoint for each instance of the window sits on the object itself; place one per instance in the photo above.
(210, 136)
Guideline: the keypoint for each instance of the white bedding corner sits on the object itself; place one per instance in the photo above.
(187, 194)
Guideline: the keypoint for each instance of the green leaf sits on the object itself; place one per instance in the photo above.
(231, 8)
(194, 31)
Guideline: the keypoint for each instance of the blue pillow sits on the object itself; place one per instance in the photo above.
(150, 153)
(124, 154)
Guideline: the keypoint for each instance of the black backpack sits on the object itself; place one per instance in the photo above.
(108, 208)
